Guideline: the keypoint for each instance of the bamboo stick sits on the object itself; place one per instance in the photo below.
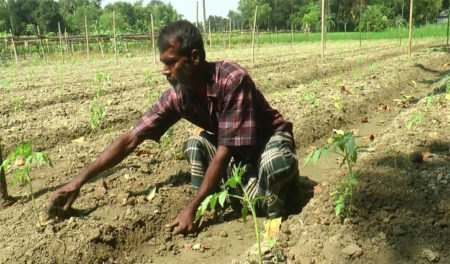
(98, 40)
(60, 42)
(115, 37)
(153, 38)
(87, 38)
(41, 47)
(14, 45)
(410, 26)
(253, 34)
(323, 29)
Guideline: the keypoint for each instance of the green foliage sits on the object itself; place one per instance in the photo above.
(373, 67)
(344, 145)
(17, 102)
(234, 182)
(375, 16)
(22, 160)
(398, 155)
(415, 120)
(97, 113)
(167, 138)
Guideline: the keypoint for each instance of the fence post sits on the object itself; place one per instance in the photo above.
(196, 15)
(229, 36)
(323, 29)
(14, 45)
(60, 42)
(153, 37)
(87, 37)
(410, 26)
(40, 43)
(448, 22)
(115, 37)
(253, 35)
(98, 40)
(359, 24)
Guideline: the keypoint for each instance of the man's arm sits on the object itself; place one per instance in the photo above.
(185, 220)
(115, 153)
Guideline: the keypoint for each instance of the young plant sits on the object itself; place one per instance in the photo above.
(397, 155)
(148, 77)
(17, 102)
(234, 183)
(343, 144)
(97, 114)
(22, 159)
(167, 138)
(415, 119)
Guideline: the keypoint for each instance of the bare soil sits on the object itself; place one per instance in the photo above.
(402, 205)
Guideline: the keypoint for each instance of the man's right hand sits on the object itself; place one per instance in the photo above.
(62, 199)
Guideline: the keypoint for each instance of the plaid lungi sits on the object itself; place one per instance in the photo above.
(275, 169)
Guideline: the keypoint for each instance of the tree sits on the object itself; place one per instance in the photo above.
(375, 17)
(48, 16)
(162, 13)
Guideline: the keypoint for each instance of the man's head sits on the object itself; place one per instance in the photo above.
(181, 51)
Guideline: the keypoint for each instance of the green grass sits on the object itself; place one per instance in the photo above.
(239, 38)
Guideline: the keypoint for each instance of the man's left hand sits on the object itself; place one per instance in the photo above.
(184, 222)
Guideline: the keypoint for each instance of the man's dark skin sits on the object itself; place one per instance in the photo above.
(183, 72)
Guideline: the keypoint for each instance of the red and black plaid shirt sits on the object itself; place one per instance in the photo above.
(237, 113)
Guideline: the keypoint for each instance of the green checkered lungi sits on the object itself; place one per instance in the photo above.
(276, 168)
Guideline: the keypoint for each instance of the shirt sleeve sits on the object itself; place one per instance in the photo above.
(159, 118)
(237, 118)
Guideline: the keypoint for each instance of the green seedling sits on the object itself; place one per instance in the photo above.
(356, 75)
(166, 139)
(338, 80)
(6, 83)
(234, 182)
(97, 114)
(430, 99)
(19, 163)
(415, 119)
(17, 102)
(148, 77)
(102, 77)
(397, 155)
(373, 67)
(315, 83)
(343, 144)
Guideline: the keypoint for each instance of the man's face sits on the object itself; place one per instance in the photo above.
(177, 68)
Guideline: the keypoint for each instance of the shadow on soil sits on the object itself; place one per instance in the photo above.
(408, 199)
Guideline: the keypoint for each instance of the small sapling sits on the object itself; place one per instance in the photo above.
(19, 164)
(247, 203)
(344, 145)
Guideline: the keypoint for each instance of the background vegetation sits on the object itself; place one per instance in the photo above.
(23, 16)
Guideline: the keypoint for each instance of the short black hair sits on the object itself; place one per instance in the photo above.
(186, 34)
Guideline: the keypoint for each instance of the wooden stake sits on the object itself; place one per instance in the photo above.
(196, 14)
(98, 40)
(253, 35)
(204, 17)
(210, 36)
(153, 38)
(448, 22)
(114, 33)
(359, 24)
(41, 47)
(60, 43)
(87, 37)
(229, 36)
(410, 26)
(292, 36)
(14, 45)
(323, 29)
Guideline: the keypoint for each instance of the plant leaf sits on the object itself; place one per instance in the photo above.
(316, 155)
(308, 159)
(339, 208)
(213, 202)
(222, 197)
(151, 194)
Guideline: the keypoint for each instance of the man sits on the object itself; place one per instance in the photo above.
(240, 128)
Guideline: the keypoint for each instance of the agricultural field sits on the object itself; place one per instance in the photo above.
(397, 106)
